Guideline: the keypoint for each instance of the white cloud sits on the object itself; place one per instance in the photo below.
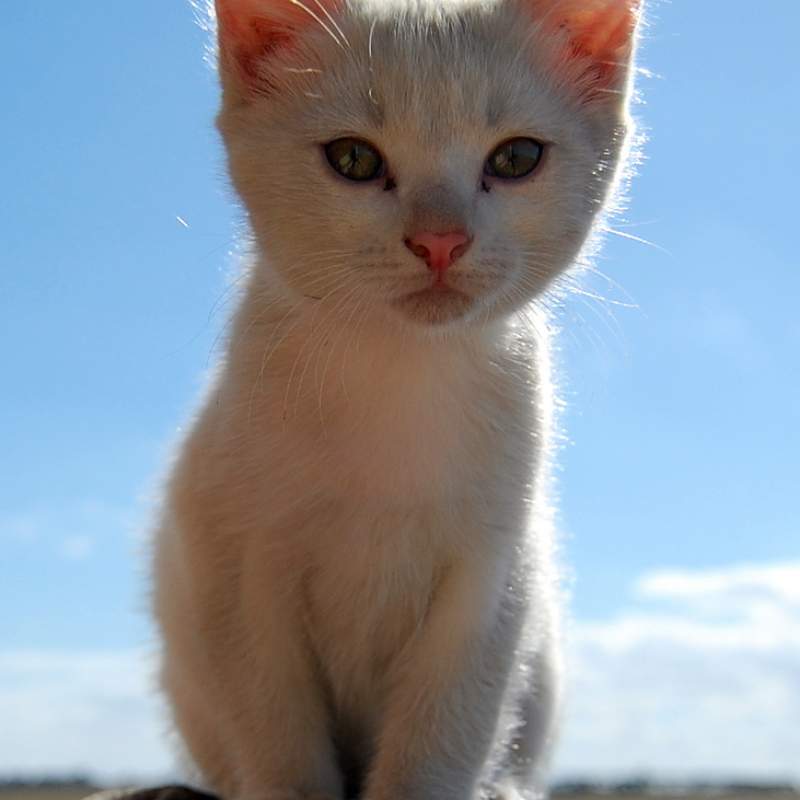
(37, 524)
(85, 711)
(19, 528)
(699, 677)
(77, 548)
(77, 530)
(776, 580)
(723, 330)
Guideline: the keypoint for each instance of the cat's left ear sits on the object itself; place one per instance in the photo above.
(250, 31)
(597, 34)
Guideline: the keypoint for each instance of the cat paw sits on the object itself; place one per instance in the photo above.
(291, 794)
(509, 792)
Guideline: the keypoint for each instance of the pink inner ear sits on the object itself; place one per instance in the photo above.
(250, 30)
(601, 30)
(606, 32)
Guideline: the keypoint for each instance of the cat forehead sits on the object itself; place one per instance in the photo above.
(435, 74)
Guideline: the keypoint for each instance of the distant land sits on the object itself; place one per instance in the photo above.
(79, 787)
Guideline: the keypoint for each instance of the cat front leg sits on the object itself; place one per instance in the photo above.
(283, 746)
(242, 685)
(262, 734)
(448, 690)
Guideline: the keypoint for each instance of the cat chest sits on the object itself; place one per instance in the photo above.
(410, 455)
(367, 595)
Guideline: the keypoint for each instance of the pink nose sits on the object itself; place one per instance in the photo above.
(439, 250)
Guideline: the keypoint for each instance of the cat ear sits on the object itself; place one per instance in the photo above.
(599, 34)
(250, 30)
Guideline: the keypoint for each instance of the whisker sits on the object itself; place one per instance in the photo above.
(271, 346)
(316, 345)
(639, 239)
(319, 20)
(333, 22)
(611, 282)
(592, 296)
(303, 70)
(342, 329)
(265, 358)
(369, 42)
(363, 303)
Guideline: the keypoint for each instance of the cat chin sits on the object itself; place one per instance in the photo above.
(435, 306)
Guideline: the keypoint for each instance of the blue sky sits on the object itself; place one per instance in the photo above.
(679, 484)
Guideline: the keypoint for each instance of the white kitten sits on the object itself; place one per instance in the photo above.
(353, 574)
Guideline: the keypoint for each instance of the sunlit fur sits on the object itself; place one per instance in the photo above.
(354, 573)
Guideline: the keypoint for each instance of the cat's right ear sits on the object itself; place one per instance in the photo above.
(249, 31)
(598, 38)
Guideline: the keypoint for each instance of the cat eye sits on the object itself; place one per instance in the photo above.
(514, 158)
(355, 159)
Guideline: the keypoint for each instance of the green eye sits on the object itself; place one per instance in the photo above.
(514, 158)
(354, 159)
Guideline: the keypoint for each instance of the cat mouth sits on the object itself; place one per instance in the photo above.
(435, 304)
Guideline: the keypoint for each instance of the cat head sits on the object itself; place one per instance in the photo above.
(437, 162)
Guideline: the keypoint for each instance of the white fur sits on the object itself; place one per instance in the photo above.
(354, 575)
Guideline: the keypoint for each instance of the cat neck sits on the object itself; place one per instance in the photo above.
(272, 325)
(301, 358)
(395, 410)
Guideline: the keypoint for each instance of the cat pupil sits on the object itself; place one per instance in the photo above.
(354, 159)
(515, 158)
